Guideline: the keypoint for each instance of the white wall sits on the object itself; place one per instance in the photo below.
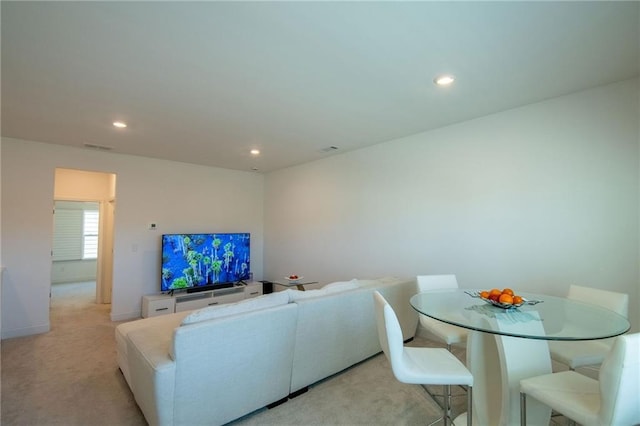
(73, 271)
(533, 198)
(82, 185)
(179, 197)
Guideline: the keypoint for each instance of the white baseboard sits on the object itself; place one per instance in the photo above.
(126, 316)
(26, 331)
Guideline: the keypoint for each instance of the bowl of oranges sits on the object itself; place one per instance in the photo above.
(504, 298)
(293, 279)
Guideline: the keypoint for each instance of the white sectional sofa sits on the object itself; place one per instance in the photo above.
(216, 364)
(337, 329)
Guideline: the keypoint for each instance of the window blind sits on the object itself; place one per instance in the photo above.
(67, 236)
(75, 234)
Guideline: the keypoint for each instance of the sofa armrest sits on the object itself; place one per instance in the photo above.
(168, 322)
(152, 373)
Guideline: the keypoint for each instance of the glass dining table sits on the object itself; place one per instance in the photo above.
(507, 345)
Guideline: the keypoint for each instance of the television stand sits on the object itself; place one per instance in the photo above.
(162, 304)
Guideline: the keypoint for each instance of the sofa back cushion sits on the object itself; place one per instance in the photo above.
(247, 305)
(337, 330)
(380, 281)
(238, 363)
(342, 286)
(332, 288)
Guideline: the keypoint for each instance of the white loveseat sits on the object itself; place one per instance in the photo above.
(216, 364)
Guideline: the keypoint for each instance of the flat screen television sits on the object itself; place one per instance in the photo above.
(201, 261)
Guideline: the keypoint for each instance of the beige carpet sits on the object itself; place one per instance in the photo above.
(366, 394)
(69, 376)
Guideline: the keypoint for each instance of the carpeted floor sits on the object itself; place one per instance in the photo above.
(366, 394)
(69, 377)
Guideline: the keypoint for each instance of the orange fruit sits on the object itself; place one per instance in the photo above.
(484, 294)
(507, 291)
(494, 297)
(507, 299)
(495, 291)
(517, 300)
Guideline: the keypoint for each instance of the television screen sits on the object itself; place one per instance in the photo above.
(197, 260)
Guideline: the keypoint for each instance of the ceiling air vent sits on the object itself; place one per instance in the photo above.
(329, 149)
(98, 147)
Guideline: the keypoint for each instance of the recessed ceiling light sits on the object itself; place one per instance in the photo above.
(120, 124)
(255, 152)
(444, 80)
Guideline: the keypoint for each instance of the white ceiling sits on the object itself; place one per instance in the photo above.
(204, 82)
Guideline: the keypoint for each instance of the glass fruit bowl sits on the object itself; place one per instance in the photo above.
(502, 305)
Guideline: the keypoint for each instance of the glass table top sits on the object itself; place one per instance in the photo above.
(295, 283)
(551, 318)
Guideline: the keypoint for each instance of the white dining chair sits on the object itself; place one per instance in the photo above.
(589, 352)
(611, 400)
(416, 365)
(447, 333)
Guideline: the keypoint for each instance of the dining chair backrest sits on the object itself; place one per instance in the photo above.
(619, 379)
(419, 365)
(617, 302)
(436, 282)
(389, 332)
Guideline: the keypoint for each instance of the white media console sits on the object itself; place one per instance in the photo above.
(161, 304)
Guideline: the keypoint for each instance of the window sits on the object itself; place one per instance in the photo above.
(90, 234)
(75, 231)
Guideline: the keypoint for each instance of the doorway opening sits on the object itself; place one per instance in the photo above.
(82, 254)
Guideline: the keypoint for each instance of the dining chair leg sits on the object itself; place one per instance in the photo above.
(447, 394)
(461, 386)
(435, 400)
(449, 404)
(445, 416)
(523, 409)
(469, 405)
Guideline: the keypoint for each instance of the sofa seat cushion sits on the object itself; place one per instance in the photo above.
(164, 322)
(247, 305)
